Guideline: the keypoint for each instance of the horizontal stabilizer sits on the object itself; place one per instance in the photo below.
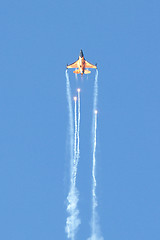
(76, 71)
(87, 71)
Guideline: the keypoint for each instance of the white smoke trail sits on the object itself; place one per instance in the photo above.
(95, 96)
(95, 228)
(75, 140)
(78, 130)
(73, 220)
(71, 128)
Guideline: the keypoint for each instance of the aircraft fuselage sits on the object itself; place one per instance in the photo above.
(81, 65)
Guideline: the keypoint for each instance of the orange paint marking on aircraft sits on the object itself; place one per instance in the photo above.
(81, 64)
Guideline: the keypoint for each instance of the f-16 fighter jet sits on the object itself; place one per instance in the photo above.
(82, 64)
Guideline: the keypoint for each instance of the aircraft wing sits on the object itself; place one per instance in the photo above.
(89, 65)
(73, 65)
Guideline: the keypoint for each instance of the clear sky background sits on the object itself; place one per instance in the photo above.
(38, 38)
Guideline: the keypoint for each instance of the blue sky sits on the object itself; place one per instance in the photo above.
(38, 39)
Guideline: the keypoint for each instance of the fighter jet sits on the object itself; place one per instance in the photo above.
(82, 64)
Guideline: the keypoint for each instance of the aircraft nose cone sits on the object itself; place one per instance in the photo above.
(81, 53)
